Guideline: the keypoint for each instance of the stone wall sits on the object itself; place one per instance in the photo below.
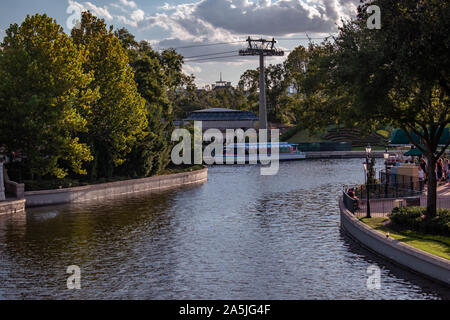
(13, 188)
(431, 266)
(114, 189)
(12, 207)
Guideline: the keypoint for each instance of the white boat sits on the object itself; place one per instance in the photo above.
(253, 153)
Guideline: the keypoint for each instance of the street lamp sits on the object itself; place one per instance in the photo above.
(386, 157)
(365, 172)
(368, 169)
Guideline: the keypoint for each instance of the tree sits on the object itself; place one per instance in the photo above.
(318, 101)
(276, 87)
(400, 73)
(44, 94)
(119, 118)
(152, 153)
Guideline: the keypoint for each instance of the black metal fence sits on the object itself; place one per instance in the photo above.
(381, 206)
(401, 181)
(383, 198)
(383, 191)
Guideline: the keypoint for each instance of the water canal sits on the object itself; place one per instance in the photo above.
(239, 236)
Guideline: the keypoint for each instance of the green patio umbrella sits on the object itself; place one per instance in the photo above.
(414, 152)
(399, 138)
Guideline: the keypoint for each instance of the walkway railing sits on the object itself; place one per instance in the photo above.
(382, 205)
(383, 191)
(382, 199)
(401, 181)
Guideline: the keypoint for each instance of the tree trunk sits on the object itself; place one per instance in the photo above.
(432, 187)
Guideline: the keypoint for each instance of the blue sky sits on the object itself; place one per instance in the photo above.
(178, 24)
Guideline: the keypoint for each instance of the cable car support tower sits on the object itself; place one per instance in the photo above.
(262, 48)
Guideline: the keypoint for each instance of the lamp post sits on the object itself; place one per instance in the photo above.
(386, 157)
(368, 170)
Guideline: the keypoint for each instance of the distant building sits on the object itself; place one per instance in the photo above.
(222, 119)
(222, 85)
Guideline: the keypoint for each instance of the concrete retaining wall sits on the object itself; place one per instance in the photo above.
(11, 207)
(14, 188)
(114, 189)
(431, 266)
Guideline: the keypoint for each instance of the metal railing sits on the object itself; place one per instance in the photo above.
(382, 207)
(382, 199)
(401, 181)
(383, 191)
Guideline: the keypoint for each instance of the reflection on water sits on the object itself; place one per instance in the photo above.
(239, 236)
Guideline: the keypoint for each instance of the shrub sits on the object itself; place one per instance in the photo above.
(290, 133)
(414, 218)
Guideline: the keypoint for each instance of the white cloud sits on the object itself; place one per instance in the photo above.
(138, 15)
(242, 17)
(167, 7)
(190, 69)
(126, 16)
(135, 17)
(130, 4)
(101, 12)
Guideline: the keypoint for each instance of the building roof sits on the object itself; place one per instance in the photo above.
(222, 114)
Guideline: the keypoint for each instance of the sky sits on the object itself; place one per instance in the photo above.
(201, 27)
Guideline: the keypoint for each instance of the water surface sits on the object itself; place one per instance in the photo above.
(239, 236)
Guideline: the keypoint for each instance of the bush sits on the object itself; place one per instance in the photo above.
(414, 218)
(35, 185)
(290, 133)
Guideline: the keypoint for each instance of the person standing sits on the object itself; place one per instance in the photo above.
(421, 178)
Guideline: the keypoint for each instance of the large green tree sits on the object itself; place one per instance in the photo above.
(44, 95)
(319, 100)
(119, 118)
(276, 90)
(398, 74)
(154, 78)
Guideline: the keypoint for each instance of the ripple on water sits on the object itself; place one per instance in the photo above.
(239, 236)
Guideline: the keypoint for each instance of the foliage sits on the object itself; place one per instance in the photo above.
(435, 244)
(119, 118)
(96, 103)
(44, 97)
(276, 89)
(415, 218)
(400, 74)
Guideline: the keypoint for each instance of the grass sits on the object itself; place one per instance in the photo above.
(305, 136)
(434, 244)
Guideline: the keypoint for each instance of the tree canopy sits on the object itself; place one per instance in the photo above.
(119, 117)
(45, 94)
(396, 75)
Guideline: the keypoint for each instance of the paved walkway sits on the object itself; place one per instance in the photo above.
(382, 207)
(444, 191)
